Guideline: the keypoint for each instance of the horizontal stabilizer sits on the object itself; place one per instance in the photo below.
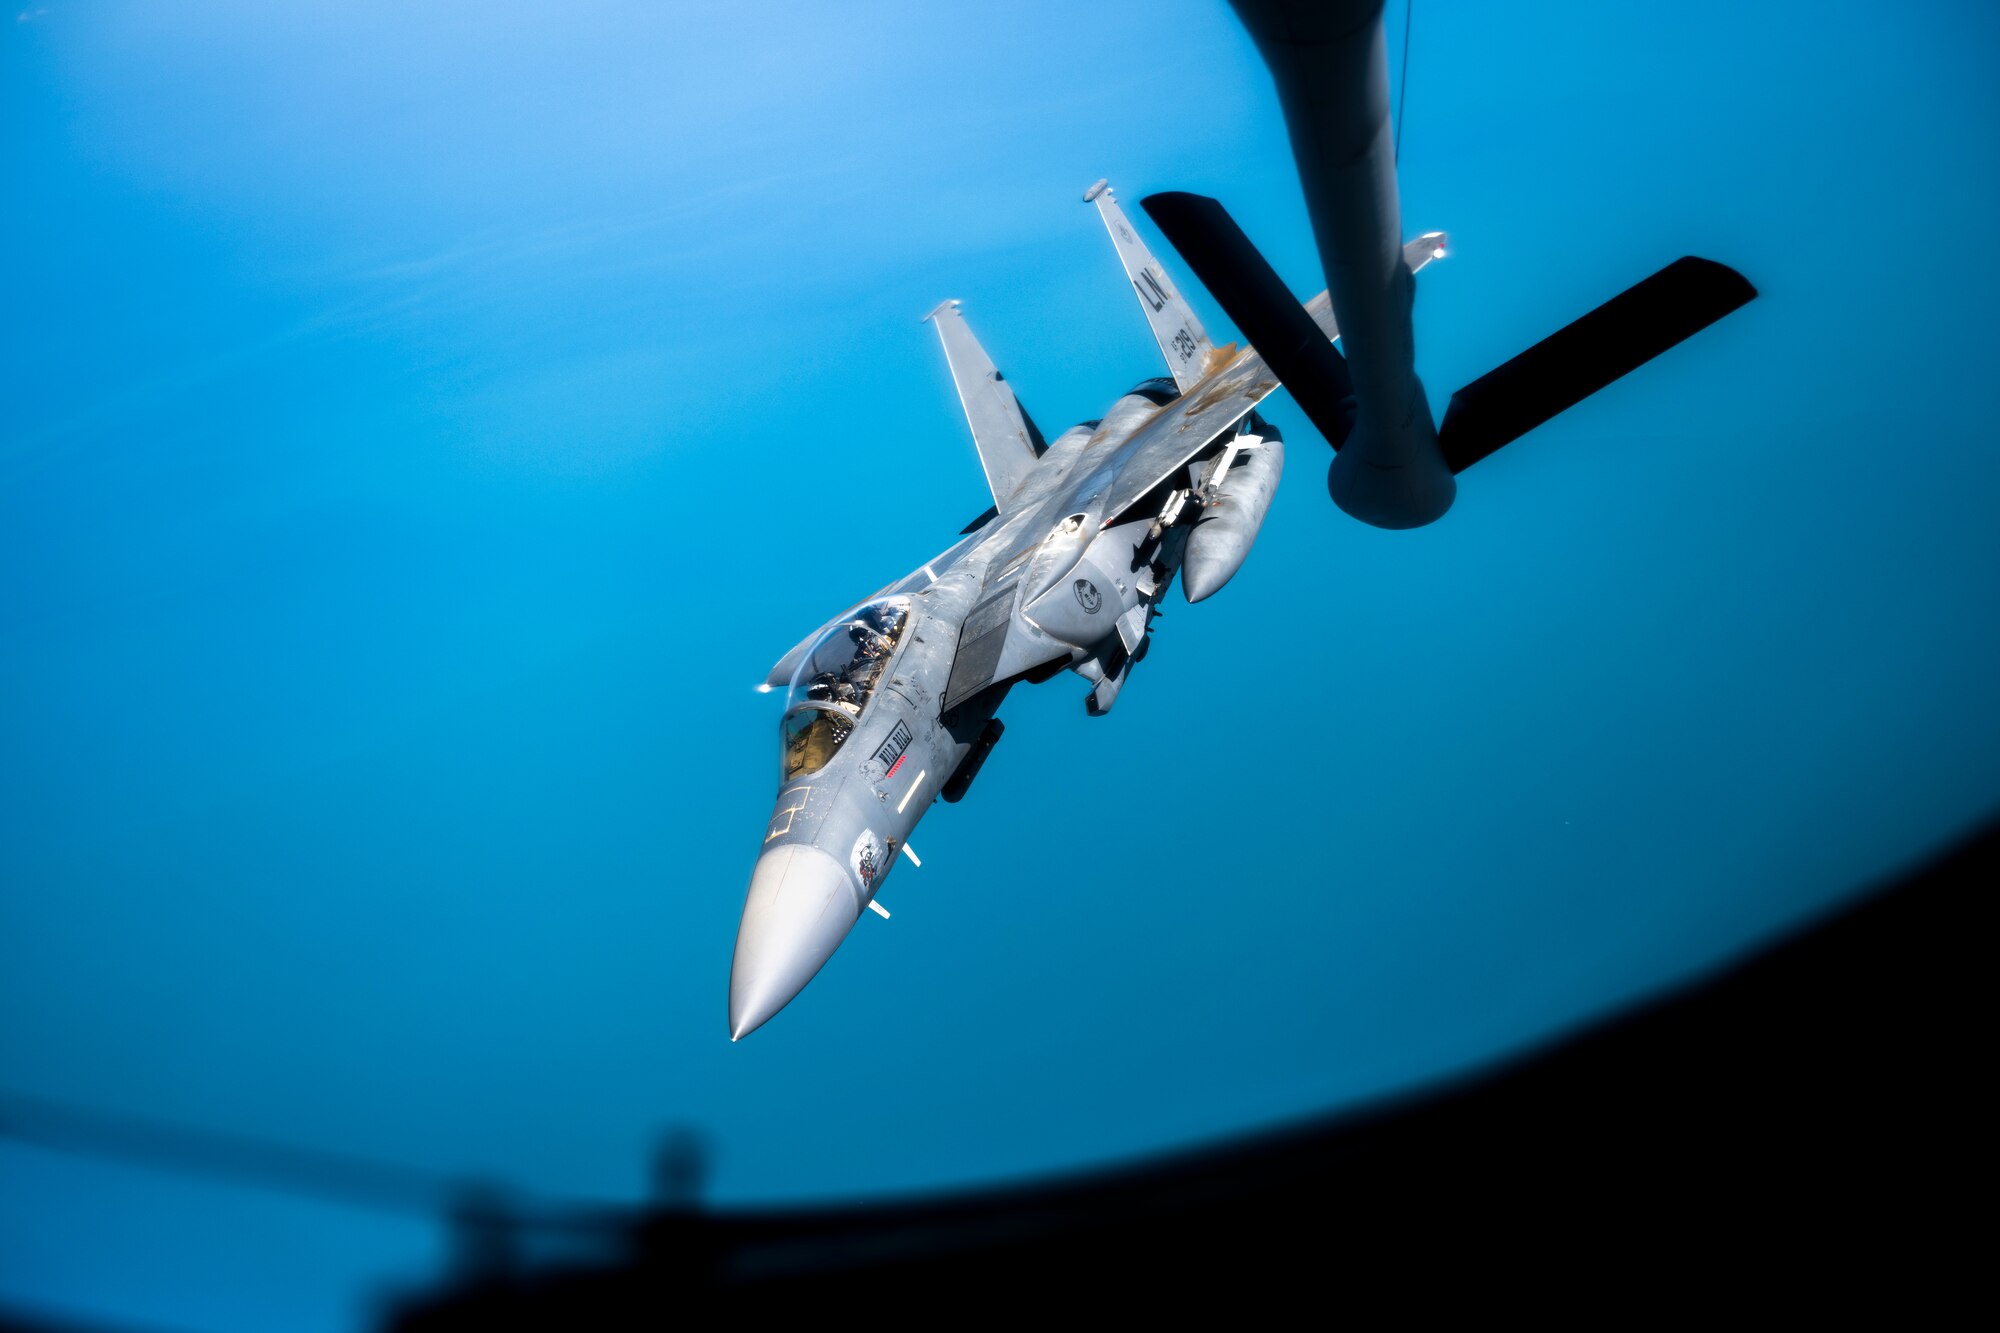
(1575, 362)
(1243, 283)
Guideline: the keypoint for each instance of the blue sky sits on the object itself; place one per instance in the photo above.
(423, 425)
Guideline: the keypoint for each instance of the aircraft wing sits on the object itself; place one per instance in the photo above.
(997, 643)
(1237, 381)
(1186, 426)
(1163, 445)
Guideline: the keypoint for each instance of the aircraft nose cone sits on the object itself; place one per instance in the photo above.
(800, 907)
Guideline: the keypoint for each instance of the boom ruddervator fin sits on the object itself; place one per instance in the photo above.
(1499, 407)
(1298, 351)
(1583, 356)
(1395, 467)
(1006, 439)
(1182, 341)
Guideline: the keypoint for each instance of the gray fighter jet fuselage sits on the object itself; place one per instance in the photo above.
(892, 704)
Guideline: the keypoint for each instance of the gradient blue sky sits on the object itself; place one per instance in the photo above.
(423, 424)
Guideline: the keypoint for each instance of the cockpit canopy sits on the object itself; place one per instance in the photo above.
(835, 681)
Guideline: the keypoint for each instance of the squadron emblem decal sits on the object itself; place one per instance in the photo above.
(1087, 596)
(866, 859)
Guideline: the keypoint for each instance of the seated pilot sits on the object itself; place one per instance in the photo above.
(871, 651)
(883, 618)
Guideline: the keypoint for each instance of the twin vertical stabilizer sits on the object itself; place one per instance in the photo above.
(1006, 439)
(1180, 335)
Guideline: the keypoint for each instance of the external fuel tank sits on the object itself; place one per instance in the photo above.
(1230, 522)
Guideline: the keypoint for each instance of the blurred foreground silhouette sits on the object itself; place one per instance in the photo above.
(1797, 1131)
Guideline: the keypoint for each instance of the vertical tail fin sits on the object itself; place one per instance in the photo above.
(1180, 335)
(1007, 441)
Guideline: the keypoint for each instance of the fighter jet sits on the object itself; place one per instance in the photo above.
(892, 705)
